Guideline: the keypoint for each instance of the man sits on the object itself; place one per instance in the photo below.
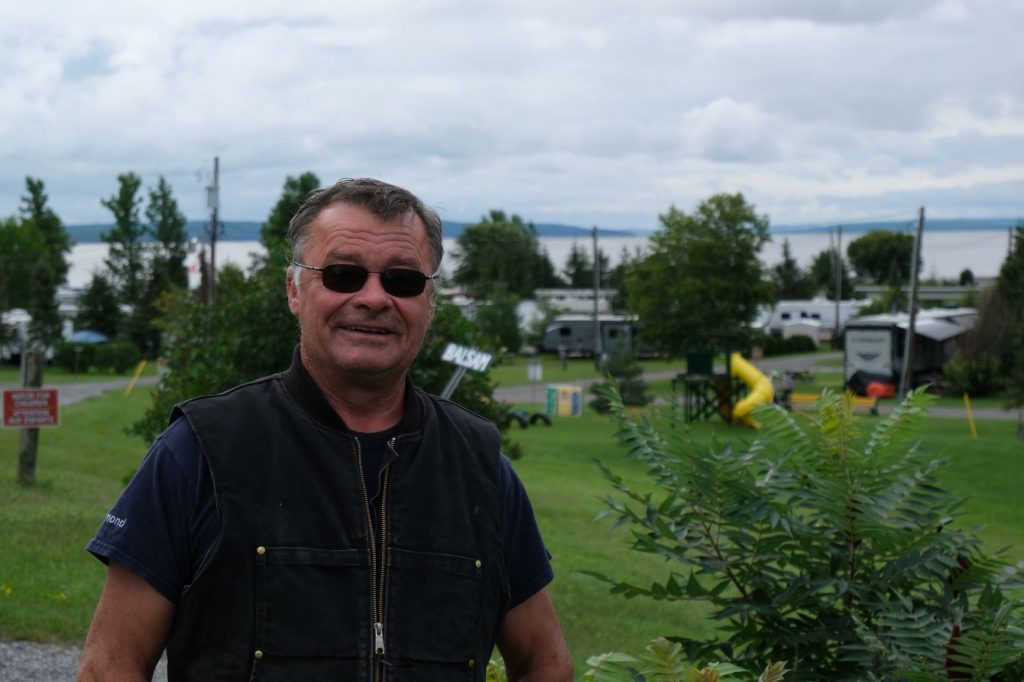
(331, 522)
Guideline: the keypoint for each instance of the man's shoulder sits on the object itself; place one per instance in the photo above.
(239, 393)
(454, 410)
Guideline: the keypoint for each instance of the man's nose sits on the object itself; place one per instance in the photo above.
(372, 294)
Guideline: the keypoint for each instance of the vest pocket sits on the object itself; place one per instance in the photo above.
(312, 603)
(433, 609)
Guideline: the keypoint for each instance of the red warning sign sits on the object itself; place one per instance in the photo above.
(31, 408)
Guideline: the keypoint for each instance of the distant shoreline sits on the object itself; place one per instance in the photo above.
(249, 230)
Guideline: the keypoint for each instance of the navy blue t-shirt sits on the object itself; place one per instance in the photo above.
(165, 521)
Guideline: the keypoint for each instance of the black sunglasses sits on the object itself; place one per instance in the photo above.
(348, 279)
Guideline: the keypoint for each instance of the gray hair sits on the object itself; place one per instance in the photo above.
(380, 198)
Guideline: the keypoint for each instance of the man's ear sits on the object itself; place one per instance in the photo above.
(293, 290)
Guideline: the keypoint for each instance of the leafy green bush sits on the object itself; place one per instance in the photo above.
(832, 551)
(73, 357)
(976, 376)
(116, 356)
(776, 345)
(664, 661)
(626, 373)
(113, 356)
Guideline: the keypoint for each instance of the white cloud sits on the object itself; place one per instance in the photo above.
(577, 112)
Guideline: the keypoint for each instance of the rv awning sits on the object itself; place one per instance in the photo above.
(937, 330)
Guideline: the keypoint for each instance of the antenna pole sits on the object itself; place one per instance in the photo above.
(213, 203)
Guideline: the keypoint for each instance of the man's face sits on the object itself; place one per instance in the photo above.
(367, 335)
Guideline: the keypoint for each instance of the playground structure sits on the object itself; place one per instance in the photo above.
(732, 395)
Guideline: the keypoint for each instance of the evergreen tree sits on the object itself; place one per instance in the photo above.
(98, 308)
(167, 227)
(50, 270)
(579, 268)
(125, 259)
(791, 282)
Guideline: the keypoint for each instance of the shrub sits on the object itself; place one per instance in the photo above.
(819, 547)
(73, 357)
(117, 356)
(776, 345)
(626, 373)
(976, 376)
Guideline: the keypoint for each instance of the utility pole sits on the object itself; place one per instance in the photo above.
(213, 203)
(598, 350)
(907, 376)
(839, 281)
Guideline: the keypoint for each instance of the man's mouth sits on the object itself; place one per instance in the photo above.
(380, 331)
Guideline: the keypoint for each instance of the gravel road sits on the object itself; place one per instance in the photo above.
(34, 662)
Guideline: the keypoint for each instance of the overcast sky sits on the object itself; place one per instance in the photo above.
(574, 111)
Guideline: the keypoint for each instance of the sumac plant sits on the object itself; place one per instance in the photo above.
(819, 545)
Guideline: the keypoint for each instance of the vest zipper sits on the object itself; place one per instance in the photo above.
(378, 550)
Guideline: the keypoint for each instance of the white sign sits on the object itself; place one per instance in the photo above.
(470, 358)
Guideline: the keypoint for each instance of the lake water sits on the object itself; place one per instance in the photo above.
(944, 254)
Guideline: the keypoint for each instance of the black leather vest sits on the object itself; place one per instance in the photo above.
(308, 580)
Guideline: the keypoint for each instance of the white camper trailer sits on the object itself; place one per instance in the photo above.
(14, 332)
(815, 318)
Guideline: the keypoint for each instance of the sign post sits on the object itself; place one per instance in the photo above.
(464, 358)
(29, 409)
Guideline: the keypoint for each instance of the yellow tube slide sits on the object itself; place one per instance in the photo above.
(761, 390)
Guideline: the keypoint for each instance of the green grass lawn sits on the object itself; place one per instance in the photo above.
(513, 370)
(49, 584)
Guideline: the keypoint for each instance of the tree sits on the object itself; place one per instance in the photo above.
(1010, 286)
(579, 268)
(125, 259)
(50, 270)
(167, 227)
(98, 308)
(701, 282)
(823, 275)
(274, 232)
(791, 282)
(503, 251)
(20, 249)
(498, 320)
(882, 257)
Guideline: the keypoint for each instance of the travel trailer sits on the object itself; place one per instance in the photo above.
(875, 345)
(816, 316)
(575, 334)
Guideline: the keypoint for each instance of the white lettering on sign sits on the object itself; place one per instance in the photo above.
(31, 408)
(470, 358)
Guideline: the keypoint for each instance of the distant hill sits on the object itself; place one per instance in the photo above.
(930, 225)
(249, 231)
